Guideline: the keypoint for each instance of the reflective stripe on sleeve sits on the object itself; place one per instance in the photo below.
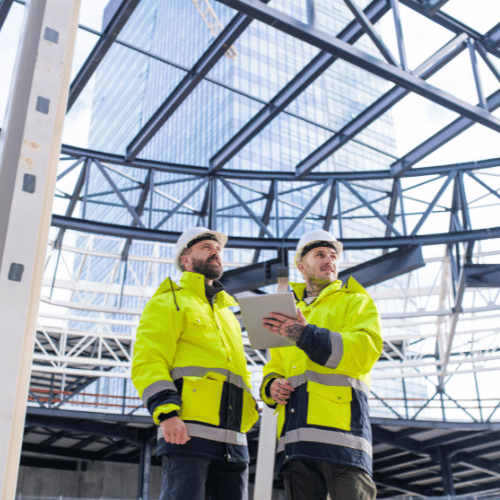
(201, 371)
(333, 379)
(155, 388)
(213, 434)
(324, 436)
(337, 345)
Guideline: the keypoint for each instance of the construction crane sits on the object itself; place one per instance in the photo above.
(212, 21)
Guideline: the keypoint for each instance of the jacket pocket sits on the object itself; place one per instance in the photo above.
(201, 399)
(329, 406)
(249, 414)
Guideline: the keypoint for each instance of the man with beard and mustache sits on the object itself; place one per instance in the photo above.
(321, 385)
(190, 370)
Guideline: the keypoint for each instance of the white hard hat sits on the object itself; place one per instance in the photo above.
(192, 236)
(313, 239)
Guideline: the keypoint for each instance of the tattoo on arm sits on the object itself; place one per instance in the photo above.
(294, 331)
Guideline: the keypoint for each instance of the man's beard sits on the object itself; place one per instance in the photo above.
(211, 270)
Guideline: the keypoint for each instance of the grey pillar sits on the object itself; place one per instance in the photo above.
(30, 144)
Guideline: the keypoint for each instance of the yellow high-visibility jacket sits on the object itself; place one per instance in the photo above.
(189, 358)
(326, 418)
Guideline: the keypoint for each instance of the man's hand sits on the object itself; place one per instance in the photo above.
(285, 326)
(281, 390)
(175, 431)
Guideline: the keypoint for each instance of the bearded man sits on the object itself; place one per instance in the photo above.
(190, 370)
(321, 385)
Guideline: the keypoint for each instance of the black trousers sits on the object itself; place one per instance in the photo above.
(194, 478)
(310, 480)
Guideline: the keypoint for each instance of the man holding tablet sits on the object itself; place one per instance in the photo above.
(321, 385)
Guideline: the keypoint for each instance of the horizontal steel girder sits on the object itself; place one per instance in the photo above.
(101, 48)
(353, 55)
(285, 96)
(274, 243)
(207, 61)
(197, 171)
(386, 267)
(369, 273)
(252, 277)
(482, 275)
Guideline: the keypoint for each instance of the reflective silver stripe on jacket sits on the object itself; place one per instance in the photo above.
(324, 436)
(155, 388)
(332, 379)
(201, 371)
(337, 345)
(213, 434)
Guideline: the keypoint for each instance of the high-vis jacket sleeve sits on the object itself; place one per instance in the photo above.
(154, 351)
(356, 347)
(272, 370)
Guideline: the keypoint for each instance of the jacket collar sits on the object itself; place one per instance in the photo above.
(195, 283)
(351, 286)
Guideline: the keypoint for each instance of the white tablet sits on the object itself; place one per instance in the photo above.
(257, 307)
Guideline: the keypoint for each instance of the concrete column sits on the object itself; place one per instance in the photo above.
(29, 154)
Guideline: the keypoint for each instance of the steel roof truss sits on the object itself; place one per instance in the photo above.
(112, 30)
(292, 90)
(370, 31)
(428, 68)
(355, 56)
(207, 61)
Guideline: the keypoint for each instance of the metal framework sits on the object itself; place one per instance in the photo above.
(434, 266)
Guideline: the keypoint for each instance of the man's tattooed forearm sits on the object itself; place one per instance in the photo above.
(294, 331)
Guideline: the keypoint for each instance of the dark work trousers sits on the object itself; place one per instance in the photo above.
(310, 480)
(194, 478)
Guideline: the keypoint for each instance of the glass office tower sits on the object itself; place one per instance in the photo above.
(171, 35)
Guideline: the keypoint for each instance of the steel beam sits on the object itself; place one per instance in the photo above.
(207, 61)
(307, 209)
(287, 94)
(432, 6)
(353, 55)
(117, 191)
(370, 207)
(251, 277)
(399, 33)
(266, 217)
(386, 267)
(5, 6)
(182, 202)
(370, 31)
(275, 243)
(92, 427)
(492, 38)
(247, 209)
(112, 30)
(482, 275)
(380, 106)
(282, 176)
(433, 203)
